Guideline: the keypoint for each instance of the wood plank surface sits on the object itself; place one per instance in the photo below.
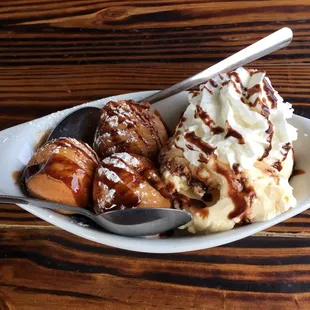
(57, 54)
(254, 270)
(33, 93)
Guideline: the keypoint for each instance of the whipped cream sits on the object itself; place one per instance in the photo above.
(232, 146)
(241, 116)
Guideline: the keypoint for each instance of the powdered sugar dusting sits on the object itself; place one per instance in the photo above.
(112, 176)
(132, 161)
(115, 162)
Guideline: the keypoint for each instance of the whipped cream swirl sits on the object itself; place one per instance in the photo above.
(238, 117)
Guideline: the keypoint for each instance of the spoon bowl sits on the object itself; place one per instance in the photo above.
(130, 222)
(81, 125)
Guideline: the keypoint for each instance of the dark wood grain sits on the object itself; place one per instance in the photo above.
(34, 93)
(57, 54)
(40, 266)
(102, 32)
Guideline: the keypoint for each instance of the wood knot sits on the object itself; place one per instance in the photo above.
(114, 13)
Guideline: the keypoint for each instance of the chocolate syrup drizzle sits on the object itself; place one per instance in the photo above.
(208, 90)
(278, 164)
(264, 108)
(213, 83)
(207, 120)
(203, 146)
(237, 196)
(270, 94)
(136, 116)
(234, 133)
(72, 173)
(124, 195)
(270, 133)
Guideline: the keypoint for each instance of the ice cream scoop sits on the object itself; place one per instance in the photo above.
(231, 156)
(62, 171)
(126, 126)
(125, 180)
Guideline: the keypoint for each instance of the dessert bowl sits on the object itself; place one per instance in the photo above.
(17, 145)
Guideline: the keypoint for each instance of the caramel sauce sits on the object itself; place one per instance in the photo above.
(221, 77)
(203, 146)
(234, 133)
(189, 147)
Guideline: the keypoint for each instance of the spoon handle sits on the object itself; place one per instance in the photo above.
(44, 205)
(261, 48)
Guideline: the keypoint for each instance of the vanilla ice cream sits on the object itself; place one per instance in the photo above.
(231, 156)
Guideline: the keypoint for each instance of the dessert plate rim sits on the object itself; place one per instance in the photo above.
(149, 244)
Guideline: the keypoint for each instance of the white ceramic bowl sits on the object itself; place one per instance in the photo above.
(18, 143)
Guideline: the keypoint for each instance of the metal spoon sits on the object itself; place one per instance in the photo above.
(82, 123)
(129, 222)
(261, 48)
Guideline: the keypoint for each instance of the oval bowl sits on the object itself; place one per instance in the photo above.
(18, 143)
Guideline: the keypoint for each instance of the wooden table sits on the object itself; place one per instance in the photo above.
(57, 54)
